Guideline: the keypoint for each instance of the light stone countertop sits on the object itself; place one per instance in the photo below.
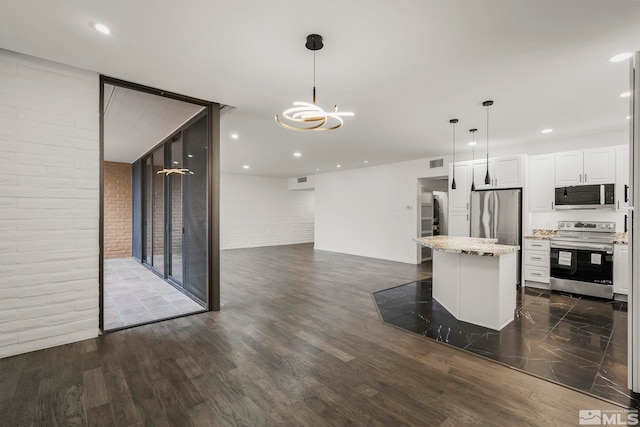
(466, 245)
(621, 239)
(541, 234)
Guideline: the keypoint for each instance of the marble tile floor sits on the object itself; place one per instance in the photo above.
(133, 295)
(569, 339)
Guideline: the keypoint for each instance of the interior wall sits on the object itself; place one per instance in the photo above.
(372, 211)
(49, 203)
(260, 211)
(117, 210)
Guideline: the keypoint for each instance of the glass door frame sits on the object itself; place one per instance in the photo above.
(212, 110)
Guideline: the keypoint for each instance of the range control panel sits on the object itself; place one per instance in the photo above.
(608, 227)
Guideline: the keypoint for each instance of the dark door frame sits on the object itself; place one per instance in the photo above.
(213, 189)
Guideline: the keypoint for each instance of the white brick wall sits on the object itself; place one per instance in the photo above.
(49, 201)
(261, 211)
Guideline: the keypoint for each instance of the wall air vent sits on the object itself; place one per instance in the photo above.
(302, 179)
(438, 163)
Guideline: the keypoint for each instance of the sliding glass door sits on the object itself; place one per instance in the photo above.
(175, 211)
(157, 206)
(195, 210)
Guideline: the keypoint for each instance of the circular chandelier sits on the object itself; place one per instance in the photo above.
(308, 116)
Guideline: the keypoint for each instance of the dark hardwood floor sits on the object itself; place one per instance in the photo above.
(298, 342)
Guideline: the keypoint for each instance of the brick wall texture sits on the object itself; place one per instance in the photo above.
(117, 210)
(261, 211)
(49, 203)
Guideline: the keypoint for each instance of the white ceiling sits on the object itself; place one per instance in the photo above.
(135, 122)
(404, 67)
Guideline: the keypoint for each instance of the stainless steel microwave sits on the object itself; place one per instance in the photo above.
(585, 197)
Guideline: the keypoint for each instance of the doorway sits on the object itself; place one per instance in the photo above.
(433, 200)
(160, 201)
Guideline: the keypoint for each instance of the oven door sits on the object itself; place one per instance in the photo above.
(582, 268)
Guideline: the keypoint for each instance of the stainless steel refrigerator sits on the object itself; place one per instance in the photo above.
(497, 214)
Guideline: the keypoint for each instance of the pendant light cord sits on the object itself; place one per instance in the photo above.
(314, 77)
(487, 139)
(454, 152)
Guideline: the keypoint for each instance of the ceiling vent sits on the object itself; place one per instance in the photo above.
(302, 179)
(438, 163)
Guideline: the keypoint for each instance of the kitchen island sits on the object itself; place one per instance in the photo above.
(474, 279)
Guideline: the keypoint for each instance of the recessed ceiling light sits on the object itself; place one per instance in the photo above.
(472, 143)
(317, 169)
(175, 162)
(366, 161)
(621, 57)
(547, 130)
(102, 28)
(338, 166)
(628, 117)
(625, 94)
(245, 167)
(234, 136)
(296, 154)
(189, 155)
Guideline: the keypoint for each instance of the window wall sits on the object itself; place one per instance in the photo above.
(172, 188)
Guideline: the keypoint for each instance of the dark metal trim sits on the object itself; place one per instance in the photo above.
(101, 212)
(141, 88)
(156, 321)
(213, 189)
(214, 207)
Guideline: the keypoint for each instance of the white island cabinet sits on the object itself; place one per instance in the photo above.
(474, 279)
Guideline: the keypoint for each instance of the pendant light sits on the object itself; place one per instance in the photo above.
(305, 116)
(453, 124)
(487, 178)
(473, 163)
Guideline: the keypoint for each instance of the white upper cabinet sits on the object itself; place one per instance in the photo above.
(504, 172)
(622, 177)
(600, 166)
(569, 168)
(541, 183)
(594, 166)
(459, 198)
(507, 172)
(480, 171)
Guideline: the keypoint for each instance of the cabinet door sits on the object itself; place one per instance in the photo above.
(569, 168)
(541, 183)
(508, 172)
(459, 198)
(459, 224)
(621, 269)
(599, 166)
(479, 173)
(622, 177)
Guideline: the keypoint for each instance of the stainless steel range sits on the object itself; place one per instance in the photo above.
(582, 258)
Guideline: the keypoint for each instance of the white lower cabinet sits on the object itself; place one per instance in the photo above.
(536, 263)
(621, 269)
